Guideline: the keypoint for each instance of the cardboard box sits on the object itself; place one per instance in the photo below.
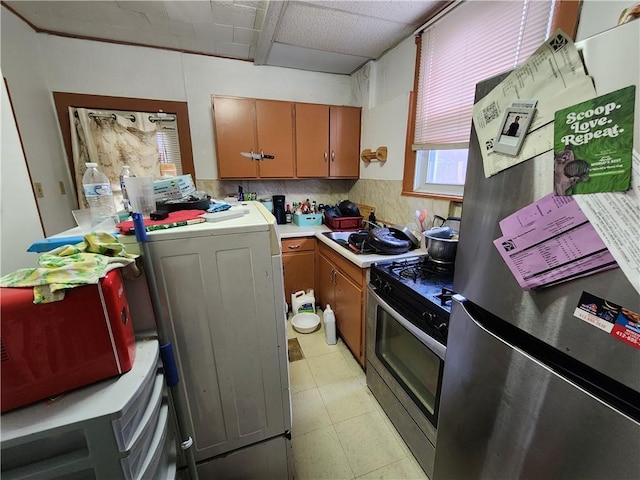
(173, 188)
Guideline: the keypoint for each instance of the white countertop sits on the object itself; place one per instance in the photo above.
(259, 218)
(291, 230)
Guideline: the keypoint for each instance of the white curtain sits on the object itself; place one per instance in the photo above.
(113, 139)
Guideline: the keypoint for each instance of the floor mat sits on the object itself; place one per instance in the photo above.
(295, 351)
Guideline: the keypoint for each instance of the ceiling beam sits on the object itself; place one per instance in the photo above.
(270, 26)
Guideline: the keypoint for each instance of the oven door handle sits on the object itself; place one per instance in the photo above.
(433, 345)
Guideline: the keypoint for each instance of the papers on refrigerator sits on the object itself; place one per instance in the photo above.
(616, 218)
(554, 75)
(551, 241)
(593, 144)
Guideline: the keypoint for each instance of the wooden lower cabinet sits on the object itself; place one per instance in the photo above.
(342, 285)
(298, 260)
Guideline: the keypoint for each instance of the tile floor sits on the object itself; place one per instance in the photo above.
(339, 429)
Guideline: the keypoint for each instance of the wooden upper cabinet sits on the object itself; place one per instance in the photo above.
(253, 126)
(235, 132)
(327, 141)
(344, 142)
(312, 140)
(275, 137)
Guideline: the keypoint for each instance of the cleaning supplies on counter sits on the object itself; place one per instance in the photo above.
(330, 325)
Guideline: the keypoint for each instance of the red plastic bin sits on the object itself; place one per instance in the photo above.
(343, 223)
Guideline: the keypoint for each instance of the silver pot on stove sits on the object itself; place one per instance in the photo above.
(442, 240)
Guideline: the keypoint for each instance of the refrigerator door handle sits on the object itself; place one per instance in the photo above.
(606, 390)
(433, 345)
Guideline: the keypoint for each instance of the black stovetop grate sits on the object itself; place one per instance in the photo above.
(423, 279)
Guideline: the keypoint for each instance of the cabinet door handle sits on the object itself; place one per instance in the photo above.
(293, 247)
(333, 155)
(326, 156)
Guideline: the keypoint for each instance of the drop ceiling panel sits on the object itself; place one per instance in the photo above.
(282, 55)
(214, 32)
(151, 9)
(232, 14)
(171, 27)
(334, 36)
(233, 50)
(245, 36)
(147, 37)
(395, 11)
(308, 26)
(190, 11)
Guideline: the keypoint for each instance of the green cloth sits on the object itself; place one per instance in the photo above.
(70, 266)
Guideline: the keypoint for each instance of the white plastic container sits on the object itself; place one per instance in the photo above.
(330, 325)
(97, 191)
(302, 301)
(125, 173)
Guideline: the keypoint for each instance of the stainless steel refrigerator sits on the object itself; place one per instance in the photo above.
(529, 390)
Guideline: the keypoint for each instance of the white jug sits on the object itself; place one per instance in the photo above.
(302, 301)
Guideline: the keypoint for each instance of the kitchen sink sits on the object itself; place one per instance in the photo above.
(341, 238)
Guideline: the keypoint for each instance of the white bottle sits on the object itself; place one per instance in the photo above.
(125, 173)
(330, 325)
(97, 191)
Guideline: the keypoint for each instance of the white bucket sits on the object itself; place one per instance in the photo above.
(302, 301)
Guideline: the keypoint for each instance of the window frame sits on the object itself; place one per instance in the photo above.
(565, 16)
(64, 100)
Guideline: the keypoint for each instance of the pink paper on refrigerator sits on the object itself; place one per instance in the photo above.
(553, 247)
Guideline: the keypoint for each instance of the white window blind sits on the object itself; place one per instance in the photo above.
(474, 41)
(168, 144)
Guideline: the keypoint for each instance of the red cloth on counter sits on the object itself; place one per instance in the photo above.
(126, 227)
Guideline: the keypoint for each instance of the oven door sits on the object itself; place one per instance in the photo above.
(408, 360)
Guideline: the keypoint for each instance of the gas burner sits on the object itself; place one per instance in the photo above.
(437, 266)
(418, 268)
(445, 296)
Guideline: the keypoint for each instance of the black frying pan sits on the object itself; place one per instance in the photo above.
(387, 241)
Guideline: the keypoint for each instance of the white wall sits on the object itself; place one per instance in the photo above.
(384, 88)
(22, 65)
(596, 16)
(19, 220)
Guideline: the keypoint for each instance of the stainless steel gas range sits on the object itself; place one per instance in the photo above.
(408, 305)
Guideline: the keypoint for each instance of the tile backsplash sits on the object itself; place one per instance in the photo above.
(384, 195)
(391, 206)
(322, 191)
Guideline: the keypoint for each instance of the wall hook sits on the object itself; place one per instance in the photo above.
(380, 155)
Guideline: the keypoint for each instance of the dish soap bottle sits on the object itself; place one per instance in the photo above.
(330, 325)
